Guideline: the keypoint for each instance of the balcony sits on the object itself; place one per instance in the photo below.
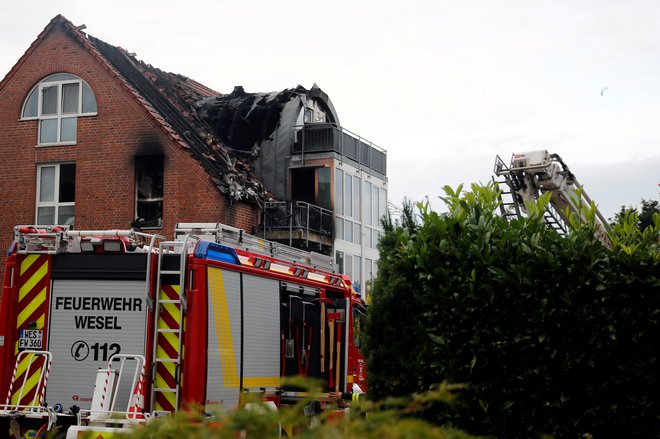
(299, 224)
(327, 137)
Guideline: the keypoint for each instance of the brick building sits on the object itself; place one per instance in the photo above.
(93, 137)
(91, 141)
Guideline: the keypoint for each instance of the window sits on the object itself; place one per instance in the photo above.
(323, 183)
(56, 189)
(339, 191)
(348, 266)
(375, 237)
(348, 195)
(356, 198)
(57, 101)
(357, 271)
(356, 233)
(368, 274)
(339, 258)
(367, 203)
(382, 203)
(348, 230)
(149, 191)
(375, 220)
(339, 228)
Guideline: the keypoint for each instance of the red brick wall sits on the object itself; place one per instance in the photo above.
(244, 216)
(106, 146)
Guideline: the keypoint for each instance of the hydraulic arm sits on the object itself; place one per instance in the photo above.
(531, 174)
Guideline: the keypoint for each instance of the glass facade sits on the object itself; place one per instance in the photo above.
(360, 202)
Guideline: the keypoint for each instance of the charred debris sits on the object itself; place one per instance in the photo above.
(241, 139)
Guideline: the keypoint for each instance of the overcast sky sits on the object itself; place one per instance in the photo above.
(443, 86)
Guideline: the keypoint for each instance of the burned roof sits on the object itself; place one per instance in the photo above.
(173, 96)
(245, 120)
(242, 119)
(226, 134)
(169, 98)
(263, 127)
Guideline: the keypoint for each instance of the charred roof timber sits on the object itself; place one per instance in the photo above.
(172, 97)
(266, 128)
(243, 140)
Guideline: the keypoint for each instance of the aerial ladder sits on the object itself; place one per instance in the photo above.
(531, 174)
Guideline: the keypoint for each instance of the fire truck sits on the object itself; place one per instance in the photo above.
(105, 328)
(533, 173)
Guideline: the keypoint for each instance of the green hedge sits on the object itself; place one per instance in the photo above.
(550, 335)
(389, 419)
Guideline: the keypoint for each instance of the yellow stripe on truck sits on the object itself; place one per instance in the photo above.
(261, 382)
(223, 328)
(31, 308)
(173, 311)
(27, 262)
(171, 398)
(34, 279)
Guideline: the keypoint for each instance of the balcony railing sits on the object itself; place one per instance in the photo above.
(297, 216)
(321, 137)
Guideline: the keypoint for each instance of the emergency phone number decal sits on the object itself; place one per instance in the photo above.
(80, 350)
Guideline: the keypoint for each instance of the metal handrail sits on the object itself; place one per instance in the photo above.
(365, 157)
(40, 388)
(297, 216)
(341, 129)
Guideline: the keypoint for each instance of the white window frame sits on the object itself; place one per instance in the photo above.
(361, 223)
(45, 83)
(56, 192)
(348, 212)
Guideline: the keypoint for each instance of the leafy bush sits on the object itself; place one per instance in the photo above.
(644, 214)
(386, 420)
(551, 335)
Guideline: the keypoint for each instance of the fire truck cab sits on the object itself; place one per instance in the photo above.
(120, 326)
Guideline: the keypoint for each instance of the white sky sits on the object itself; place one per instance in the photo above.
(442, 85)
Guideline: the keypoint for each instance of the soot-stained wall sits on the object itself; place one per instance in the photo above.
(104, 153)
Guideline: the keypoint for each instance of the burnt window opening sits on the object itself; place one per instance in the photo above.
(148, 191)
(311, 185)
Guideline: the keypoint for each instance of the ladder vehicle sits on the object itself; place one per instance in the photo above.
(108, 328)
(531, 174)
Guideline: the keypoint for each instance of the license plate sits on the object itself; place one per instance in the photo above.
(30, 339)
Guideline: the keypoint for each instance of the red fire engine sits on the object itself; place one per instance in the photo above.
(101, 323)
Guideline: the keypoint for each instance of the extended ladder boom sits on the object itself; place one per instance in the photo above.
(531, 174)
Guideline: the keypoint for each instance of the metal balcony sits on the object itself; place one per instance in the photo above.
(299, 224)
(324, 137)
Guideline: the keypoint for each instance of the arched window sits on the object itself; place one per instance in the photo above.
(57, 101)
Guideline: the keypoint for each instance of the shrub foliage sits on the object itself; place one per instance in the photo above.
(388, 419)
(549, 334)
